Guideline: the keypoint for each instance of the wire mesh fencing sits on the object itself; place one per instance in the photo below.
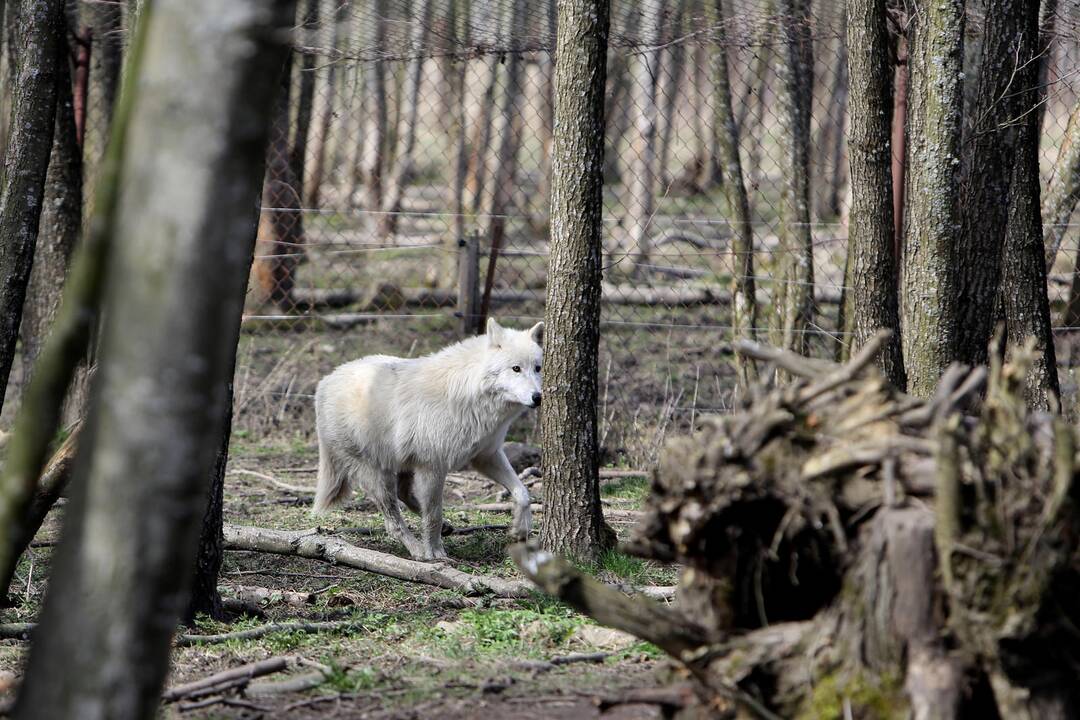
(408, 185)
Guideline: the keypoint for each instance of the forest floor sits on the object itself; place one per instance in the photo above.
(411, 650)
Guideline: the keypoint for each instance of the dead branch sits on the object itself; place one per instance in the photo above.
(226, 680)
(317, 545)
(188, 640)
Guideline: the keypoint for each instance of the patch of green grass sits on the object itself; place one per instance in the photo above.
(628, 488)
(502, 632)
(631, 569)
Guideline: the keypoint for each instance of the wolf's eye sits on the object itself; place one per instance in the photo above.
(537, 368)
(516, 368)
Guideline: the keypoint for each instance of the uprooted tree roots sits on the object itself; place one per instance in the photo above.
(851, 551)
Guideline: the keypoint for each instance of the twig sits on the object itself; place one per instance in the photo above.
(188, 640)
(233, 678)
(274, 481)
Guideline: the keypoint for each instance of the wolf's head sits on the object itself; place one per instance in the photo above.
(514, 360)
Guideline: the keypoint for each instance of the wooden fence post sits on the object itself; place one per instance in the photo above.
(468, 284)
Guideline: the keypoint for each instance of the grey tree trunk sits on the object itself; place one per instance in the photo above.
(1064, 190)
(120, 581)
(406, 135)
(326, 89)
(308, 21)
(26, 161)
(372, 37)
(1023, 272)
(743, 300)
(104, 20)
(873, 298)
(619, 96)
(670, 89)
(641, 200)
(793, 296)
(988, 174)
(59, 225)
(573, 523)
(928, 285)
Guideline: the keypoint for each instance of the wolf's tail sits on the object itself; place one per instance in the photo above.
(332, 487)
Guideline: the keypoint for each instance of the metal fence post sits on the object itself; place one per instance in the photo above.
(468, 283)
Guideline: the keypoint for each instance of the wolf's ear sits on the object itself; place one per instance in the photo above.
(494, 333)
(536, 332)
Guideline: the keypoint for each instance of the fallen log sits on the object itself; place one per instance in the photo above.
(844, 545)
(226, 680)
(191, 639)
(317, 545)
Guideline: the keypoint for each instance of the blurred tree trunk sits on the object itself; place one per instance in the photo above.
(1023, 273)
(670, 82)
(504, 155)
(751, 110)
(480, 139)
(59, 225)
(987, 174)
(619, 96)
(38, 43)
(308, 34)
(281, 225)
(457, 135)
(640, 190)
(743, 299)
(830, 145)
(873, 297)
(573, 523)
(546, 105)
(793, 289)
(121, 574)
(372, 37)
(1063, 191)
(329, 36)
(403, 169)
(104, 20)
(935, 102)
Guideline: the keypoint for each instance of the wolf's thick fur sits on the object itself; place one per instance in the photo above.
(395, 427)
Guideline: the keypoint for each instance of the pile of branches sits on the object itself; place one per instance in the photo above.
(851, 551)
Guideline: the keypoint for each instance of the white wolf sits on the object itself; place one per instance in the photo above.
(394, 428)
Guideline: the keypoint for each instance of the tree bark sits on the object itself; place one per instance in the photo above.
(104, 20)
(669, 89)
(1063, 191)
(573, 523)
(406, 134)
(987, 175)
(38, 36)
(328, 33)
(743, 296)
(1023, 274)
(793, 298)
(121, 573)
(59, 226)
(929, 282)
(372, 37)
(641, 199)
(873, 296)
(308, 21)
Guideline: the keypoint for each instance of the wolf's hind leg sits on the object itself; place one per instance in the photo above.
(427, 490)
(408, 496)
(384, 491)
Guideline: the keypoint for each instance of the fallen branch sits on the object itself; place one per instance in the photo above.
(231, 679)
(318, 546)
(274, 481)
(294, 684)
(16, 631)
(188, 640)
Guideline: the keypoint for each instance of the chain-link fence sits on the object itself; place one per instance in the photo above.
(408, 178)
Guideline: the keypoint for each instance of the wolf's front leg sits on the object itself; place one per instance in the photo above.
(427, 490)
(497, 467)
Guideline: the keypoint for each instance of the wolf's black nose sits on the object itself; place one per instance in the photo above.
(536, 399)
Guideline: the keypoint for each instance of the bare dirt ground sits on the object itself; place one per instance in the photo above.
(410, 650)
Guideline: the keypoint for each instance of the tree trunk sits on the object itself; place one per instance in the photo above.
(670, 88)
(546, 107)
(617, 116)
(870, 231)
(104, 20)
(457, 136)
(198, 131)
(641, 199)
(373, 37)
(793, 297)
(281, 226)
(38, 38)
(59, 225)
(1023, 274)
(309, 22)
(406, 135)
(573, 523)
(831, 149)
(929, 281)
(328, 33)
(988, 174)
(480, 139)
(505, 154)
(743, 300)
(1063, 191)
